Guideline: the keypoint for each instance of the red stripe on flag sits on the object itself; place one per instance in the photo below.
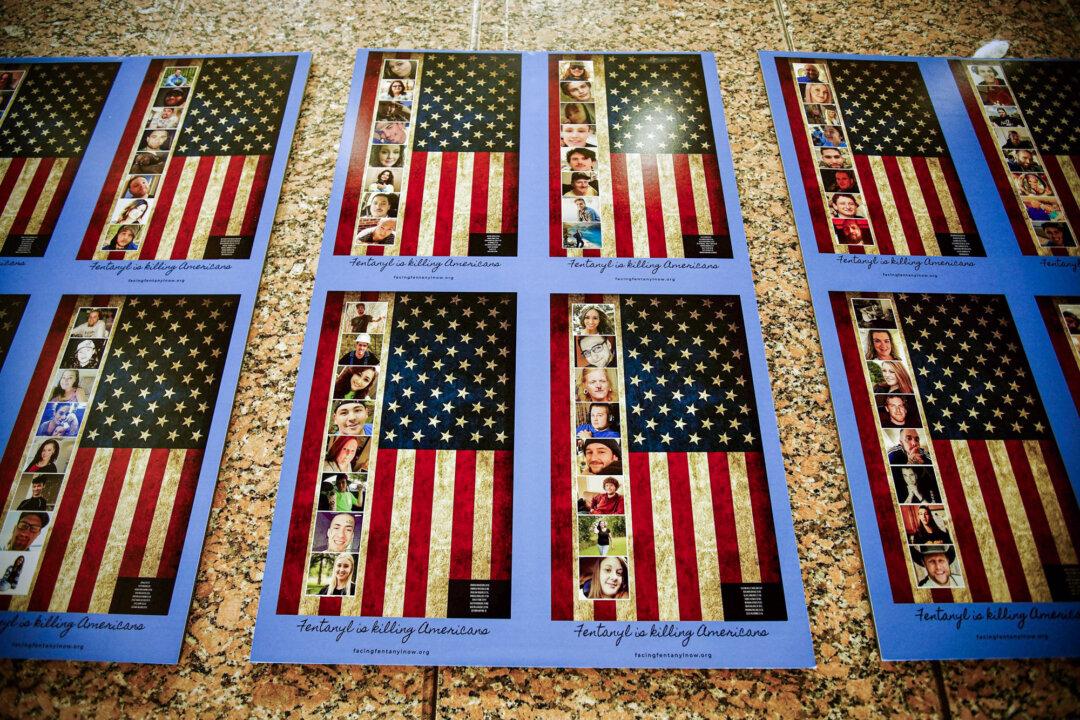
(419, 550)
(502, 515)
(768, 555)
(715, 190)
(60, 529)
(444, 208)
(1062, 347)
(181, 513)
(999, 522)
(892, 543)
(7, 184)
(166, 194)
(805, 154)
(26, 421)
(294, 566)
(33, 197)
(620, 207)
(255, 198)
(874, 210)
(1059, 478)
(510, 193)
(930, 196)
(98, 535)
(461, 532)
(682, 536)
(643, 535)
(899, 193)
(563, 488)
(723, 506)
(220, 224)
(963, 529)
(143, 516)
(1065, 196)
(358, 157)
(380, 518)
(684, 191)
(605, 610)
(414, 201)
(56, 202)
(956, 191)
(479, 199)
(1033, 507)
(113, 180)
(193, 208)
(654, 211)
(330, 606)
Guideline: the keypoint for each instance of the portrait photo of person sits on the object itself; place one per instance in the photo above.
(581, 210)
(1054, 235)
(597, 385)
(995, 95)
(393, 111)
(926, 524)
(71, 385)
(874, 313)
(595, 351)
(898, 411)
(604, 578)
(601, 535)
(386, 156)
(149, 163)
(61, 419)
(38, 491)
(1022, 161)
(93, 323)
(379, 205)
(845, 206)
(814, 114)
(24, 530)
(593, 319)
(48, 456)
(383, 232)
(363, 349)
(390, 133)
(82, 354)
(906, 447)
(834, 158)
(600, 457)
(1005, 117)
(369, 317)
(935, 566)
(165, 118)
(581, 235)
(123, 238)
(575, 113)
(817, 93)
(843, 181)
(336, 532)
(331, 574)
(356, 383)
(133, 212)
(140, 186)
(599, 420)
(1070, 315)
(16, 573)
(1043, 210)
(1013, 139)
(396, 90)
(399, 69)
(890, 376)
(351, 417)
(341, 492)
(171, 97)
(382, 180)
(828, 136)
(580, 184)
(178, 76)
(809, 73)
(576, 91)
(156, 140)
(345, 454)
(852, 231)
(574, 135)
(916, 485)
(570, 70)
(9, 79)
(986, 75)
(1032, 184)
(579, 160)
(880, 345)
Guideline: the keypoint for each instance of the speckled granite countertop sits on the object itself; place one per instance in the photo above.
(214, 678)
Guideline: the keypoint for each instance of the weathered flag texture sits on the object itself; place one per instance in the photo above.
(42, 139)
(11, 310)
(1066, 344)
(215, 181)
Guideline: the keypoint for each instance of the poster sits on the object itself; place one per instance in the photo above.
(934, 203)
(121, 378)
(430, 506)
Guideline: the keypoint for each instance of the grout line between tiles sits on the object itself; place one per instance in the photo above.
(781, 8)
(474, 31)
(943, 695)
(506, 24)
(432, 700)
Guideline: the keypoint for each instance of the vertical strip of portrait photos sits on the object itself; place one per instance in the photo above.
(873, 162)
(189, 176)
(1062, 318)
(972, 500)
(1023, 113)
(689, 477)
(423, 478)
(123, 394)
(433, 168)
(633, 164)
(48, 112)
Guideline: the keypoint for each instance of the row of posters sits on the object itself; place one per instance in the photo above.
(532, 432)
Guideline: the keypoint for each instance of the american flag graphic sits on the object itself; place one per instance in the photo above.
(48, 118)
(439, 506)
(208, 197)
(1062, 318)
(458, 193)
(907, 191)
(701, 535)
(11, 310)
(1043, 97)
(118, 527)
(656, 165)
(1014, 517)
